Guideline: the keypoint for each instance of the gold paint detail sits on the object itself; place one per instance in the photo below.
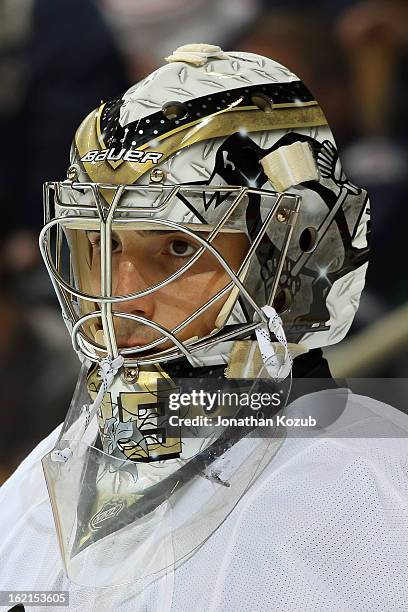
(139, 402)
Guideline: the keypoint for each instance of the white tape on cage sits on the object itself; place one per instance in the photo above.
(290, 165)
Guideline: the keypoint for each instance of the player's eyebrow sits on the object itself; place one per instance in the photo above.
(140, 232)
(151, 232)
(146, 233)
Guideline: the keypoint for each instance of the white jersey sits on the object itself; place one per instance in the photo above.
(325, 527)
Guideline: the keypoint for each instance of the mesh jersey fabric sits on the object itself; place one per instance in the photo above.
(325, 527)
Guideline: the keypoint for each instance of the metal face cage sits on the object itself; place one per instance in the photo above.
(103, 207)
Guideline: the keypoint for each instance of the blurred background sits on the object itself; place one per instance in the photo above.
(59, 59)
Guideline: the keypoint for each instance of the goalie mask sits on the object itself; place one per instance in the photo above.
(219, 166)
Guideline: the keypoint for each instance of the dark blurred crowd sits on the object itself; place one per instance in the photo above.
(58, 60)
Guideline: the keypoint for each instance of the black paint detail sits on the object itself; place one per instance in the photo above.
(138, 133)
(237, 162)
(191, 207)
(109, 122)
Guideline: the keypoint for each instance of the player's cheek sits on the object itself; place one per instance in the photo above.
(199, 287)
(213, 281)
(205, 287)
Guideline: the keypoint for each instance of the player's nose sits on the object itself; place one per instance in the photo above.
(129, 278)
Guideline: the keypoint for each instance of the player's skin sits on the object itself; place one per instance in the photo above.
(141, 259)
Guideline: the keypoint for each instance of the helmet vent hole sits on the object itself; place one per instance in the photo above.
(263, 102)
(283, 300)
(308, 239)
(174, 110)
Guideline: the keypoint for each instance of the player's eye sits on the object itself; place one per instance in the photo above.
(95, 241)
(181, 248)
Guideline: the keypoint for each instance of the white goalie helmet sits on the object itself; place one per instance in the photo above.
(211, 145)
